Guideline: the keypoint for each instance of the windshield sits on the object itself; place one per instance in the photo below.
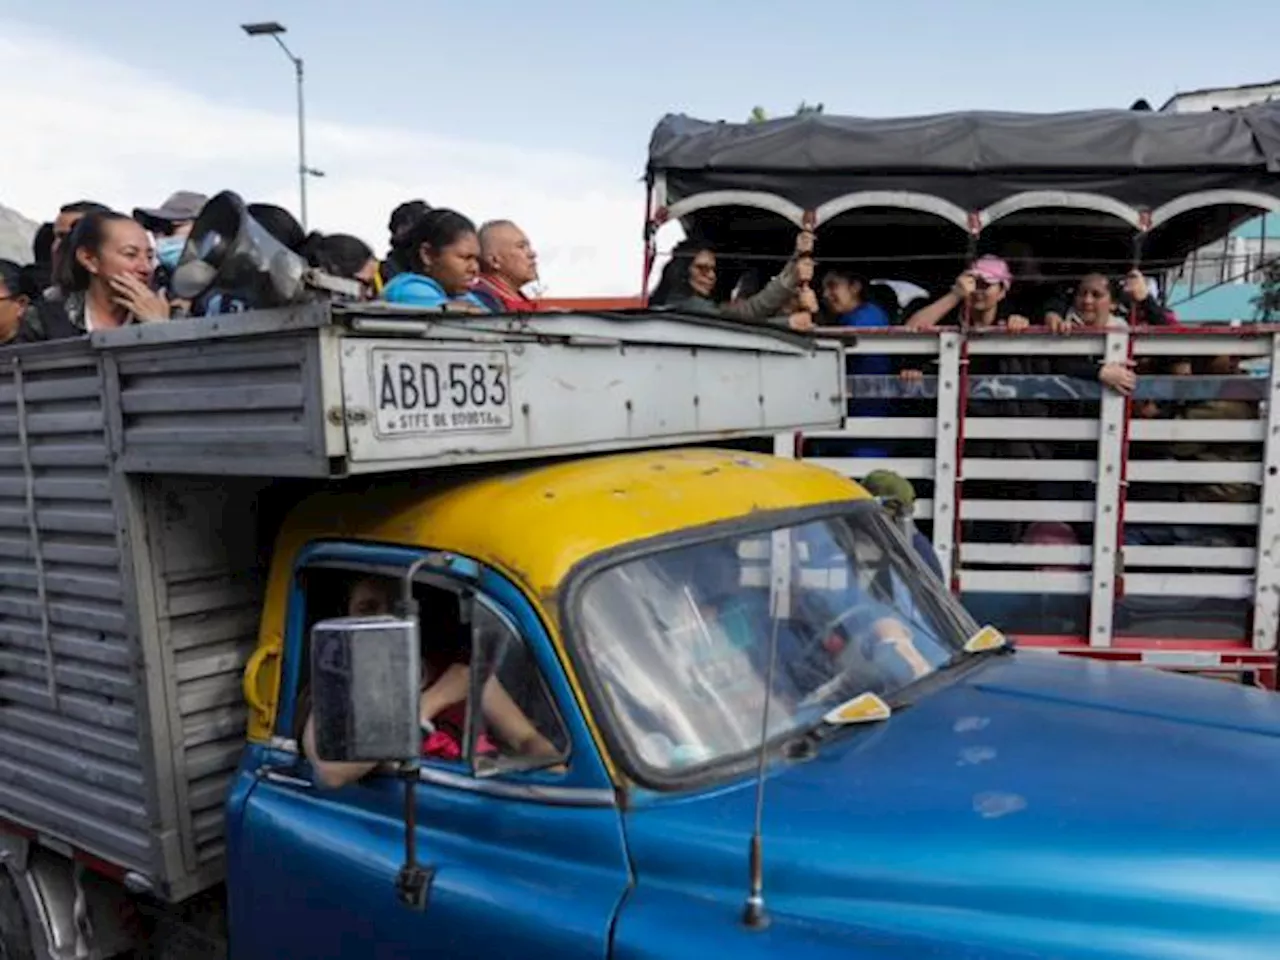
(680, 640)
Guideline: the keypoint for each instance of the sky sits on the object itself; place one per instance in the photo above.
(539, 112)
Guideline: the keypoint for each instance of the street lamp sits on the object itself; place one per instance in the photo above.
(273, 30)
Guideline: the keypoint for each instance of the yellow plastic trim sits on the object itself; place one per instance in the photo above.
(262, 709)
(864, 708)
(988, 638)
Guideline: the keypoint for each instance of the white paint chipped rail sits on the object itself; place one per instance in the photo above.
(1139, 471)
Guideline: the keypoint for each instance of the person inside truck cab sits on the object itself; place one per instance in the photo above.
(689, 281)
(898, 498)
(444, 264)
(446, 682)
(871, 612)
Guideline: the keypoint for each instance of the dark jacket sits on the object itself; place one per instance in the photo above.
(769, 305)
(924, 549)
(52, 320)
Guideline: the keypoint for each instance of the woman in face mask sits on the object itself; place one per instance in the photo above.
(170, 224)
(168, 251)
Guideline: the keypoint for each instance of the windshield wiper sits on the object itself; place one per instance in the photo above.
(801, 746)
(961, 657)
(902, 698)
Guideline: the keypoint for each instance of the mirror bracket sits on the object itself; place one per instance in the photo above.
(413, 883)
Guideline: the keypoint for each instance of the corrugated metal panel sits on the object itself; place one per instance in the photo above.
(121, 714)
(248, 407)
(208, 597)
(210, 699)
(70, 760)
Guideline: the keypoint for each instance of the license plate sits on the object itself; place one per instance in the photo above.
(427, 391)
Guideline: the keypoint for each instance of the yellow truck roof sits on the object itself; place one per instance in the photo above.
(536, 523)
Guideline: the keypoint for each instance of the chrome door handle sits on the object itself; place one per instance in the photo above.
(276, 775)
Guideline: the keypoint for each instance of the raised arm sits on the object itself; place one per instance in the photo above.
(930, 316)
(774, 301)
(770, 302)
(1147, 312)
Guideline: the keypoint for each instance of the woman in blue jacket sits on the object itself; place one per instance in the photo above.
(444, 262)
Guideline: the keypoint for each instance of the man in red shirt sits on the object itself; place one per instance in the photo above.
(507, 265)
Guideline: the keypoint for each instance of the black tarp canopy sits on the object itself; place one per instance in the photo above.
(1175, 181)
(973, 159)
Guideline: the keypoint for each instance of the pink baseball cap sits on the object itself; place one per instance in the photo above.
(992, 269)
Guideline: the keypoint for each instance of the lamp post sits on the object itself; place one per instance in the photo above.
(274, 30)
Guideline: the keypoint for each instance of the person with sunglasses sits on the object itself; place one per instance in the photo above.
(690, 281)
(977, 299)
(171, 223)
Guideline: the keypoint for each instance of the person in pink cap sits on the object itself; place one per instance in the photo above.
(975, 299)
(978, 300)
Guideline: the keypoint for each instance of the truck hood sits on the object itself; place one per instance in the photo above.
(1036, 803)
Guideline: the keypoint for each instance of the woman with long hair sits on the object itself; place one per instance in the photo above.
(105, 272)
(344, 256)
(689, 281)
(443, 265)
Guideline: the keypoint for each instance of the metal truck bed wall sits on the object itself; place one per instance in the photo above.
(319, 393)
(127, 608)
(131, 470)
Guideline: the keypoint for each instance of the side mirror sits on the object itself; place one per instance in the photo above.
(365, 676)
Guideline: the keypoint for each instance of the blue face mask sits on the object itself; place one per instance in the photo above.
(169, 250)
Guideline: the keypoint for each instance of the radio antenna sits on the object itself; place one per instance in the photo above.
(754, 914)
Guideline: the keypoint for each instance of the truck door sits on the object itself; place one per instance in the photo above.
(522, 861)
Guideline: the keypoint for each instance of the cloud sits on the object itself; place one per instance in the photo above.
(137, 137)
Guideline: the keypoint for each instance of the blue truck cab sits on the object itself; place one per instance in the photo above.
(923, 789)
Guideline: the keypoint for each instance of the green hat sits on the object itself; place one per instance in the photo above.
(894, 491)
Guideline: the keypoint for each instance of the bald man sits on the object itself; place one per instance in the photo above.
(507, 265)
